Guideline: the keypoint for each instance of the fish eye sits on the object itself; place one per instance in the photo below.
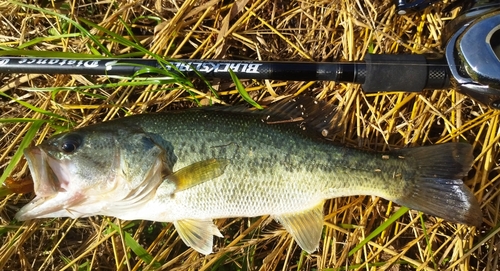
(71, 143)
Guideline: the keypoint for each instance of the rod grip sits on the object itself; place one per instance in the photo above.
(409, 73)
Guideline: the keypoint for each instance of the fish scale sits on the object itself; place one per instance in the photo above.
(189, 167)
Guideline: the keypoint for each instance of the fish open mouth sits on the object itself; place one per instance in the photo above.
(47, 185)
(46, 182)
(63, 189)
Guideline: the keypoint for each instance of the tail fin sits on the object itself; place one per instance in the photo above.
(438, 188)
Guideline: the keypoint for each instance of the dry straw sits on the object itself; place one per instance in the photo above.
(302, 30)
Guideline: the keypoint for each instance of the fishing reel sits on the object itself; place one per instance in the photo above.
(404, 7)
(473, 52)
(472, 47)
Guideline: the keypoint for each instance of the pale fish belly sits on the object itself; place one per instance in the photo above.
(246, 193)
(266, 183)
(294, 196)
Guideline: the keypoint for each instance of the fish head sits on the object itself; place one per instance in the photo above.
(91, 171)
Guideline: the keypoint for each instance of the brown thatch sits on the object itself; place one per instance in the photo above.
(303, 30)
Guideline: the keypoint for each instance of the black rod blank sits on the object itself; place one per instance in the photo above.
(377, 73)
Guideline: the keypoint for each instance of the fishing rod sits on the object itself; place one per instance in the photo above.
(411, 73)
(471, 62)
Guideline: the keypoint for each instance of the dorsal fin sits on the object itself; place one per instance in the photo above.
(317, 116)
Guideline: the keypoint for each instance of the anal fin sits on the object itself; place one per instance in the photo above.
(198, 234)
(305, 226)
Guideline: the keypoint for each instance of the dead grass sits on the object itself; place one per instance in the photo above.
(267, 30)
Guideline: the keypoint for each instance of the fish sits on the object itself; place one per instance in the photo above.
(192, 166)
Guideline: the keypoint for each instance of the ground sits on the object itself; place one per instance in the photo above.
(360, 232)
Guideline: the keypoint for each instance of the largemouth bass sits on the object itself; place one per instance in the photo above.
(189, 167)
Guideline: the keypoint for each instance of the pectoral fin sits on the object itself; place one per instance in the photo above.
(305, 226)
(197, 173)
(197, 234)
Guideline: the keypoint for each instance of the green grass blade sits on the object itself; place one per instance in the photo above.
(28, 137)
(380, 229)
(116, 37)
(18, 120)
(129, 31)
(32, 107)
(135, 247)
(244, 94)
(47, 39)
(361, 266)
(427, 241)
(154, 18)
(4, 191)
(32, 53)
(84, 31)
(82, 89)
(119, 39)
(176, 77)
